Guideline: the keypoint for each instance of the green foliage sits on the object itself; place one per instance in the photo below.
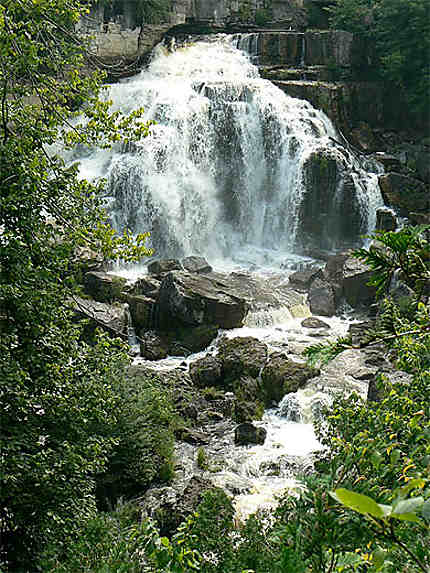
(60, 397)
(202, 459)
(405, 252)
(322, 353)
(400, 31)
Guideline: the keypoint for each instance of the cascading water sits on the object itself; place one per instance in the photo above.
(236, 170)
(229, 169)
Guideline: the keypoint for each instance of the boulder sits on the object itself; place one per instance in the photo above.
(110, 317)
(313, 322)
(190, 339)
(246, 433)
(142, 311)
(322, 298)
(405, 193)
(356, 275)
(147, 286)
(206, 372)
(386, 220)
(196, 265)
(301, 280)
(197, 299)
(241, 357)
(358, 331)
(249, 399)
(163, 266)
(169, 506)
(152, 346)
(281, 376)
(104, 287)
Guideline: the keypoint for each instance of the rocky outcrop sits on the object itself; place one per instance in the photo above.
(246, 433)
(104, 287)
(322, 298)
(241, 357)
(405, 193)
(194, 300)
(110, 317)
(281, 376)
(206, 371)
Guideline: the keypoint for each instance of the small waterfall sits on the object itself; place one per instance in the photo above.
(233, 167)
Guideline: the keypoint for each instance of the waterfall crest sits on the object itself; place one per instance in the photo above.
(234, 168)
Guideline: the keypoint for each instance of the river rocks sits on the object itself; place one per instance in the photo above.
(330, 211)
(246, 433)
(321, 298)
(249, 404)
(196, 265)
(301, 280)
(198, 299)
(104, 287)
(110, 317)
(313, 322)
(405, 193)
(164, 266)
(356, 275)
(169, 506)
(386, 220)
(282, 375)
(242, 357)
(142, 310)
(152, 347)
(206, 372)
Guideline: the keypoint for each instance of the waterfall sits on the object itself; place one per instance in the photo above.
(234, 169)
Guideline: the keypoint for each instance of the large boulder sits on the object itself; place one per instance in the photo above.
(110, 317)
(206, 372)
(163, 266)
(153, 347)
(302, 280)
(142, 311)
(249, 403)
(104, 287)
(281, 376)
(246, 433)
(405, 193)
(356, 275)
(195, 264)
(196, 299)
(322, 298)
(242, 357)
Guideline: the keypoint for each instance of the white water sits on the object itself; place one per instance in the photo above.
(222, 173)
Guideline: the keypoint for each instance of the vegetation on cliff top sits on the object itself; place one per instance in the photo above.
(400, 32)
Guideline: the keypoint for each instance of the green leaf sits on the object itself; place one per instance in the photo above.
(360, 503)
(425, 511)
(410, 505)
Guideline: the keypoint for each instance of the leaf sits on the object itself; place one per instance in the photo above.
(425, 511)
(410, 505)
(360, 503)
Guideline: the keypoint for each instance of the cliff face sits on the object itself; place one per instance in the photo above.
(122, 33)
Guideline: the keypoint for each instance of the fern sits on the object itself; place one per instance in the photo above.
(321, 354)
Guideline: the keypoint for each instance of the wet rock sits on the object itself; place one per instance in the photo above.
(193, 299)
(246, 433)
(281, 376)
(313, 322)
(358, 332)
(196, 265)
(241, 357)
(192, 436)
(301, 280)
(248, 404)
(386, 220)
(148, 286)
(163, 266)
(321, 298)
(110, 317)
(142, 310)
(191, 339)
(405, 193)
(289, 408)
(206, 372)
(153, 347)
(169, 506)
(104, 287)
(356, 275)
